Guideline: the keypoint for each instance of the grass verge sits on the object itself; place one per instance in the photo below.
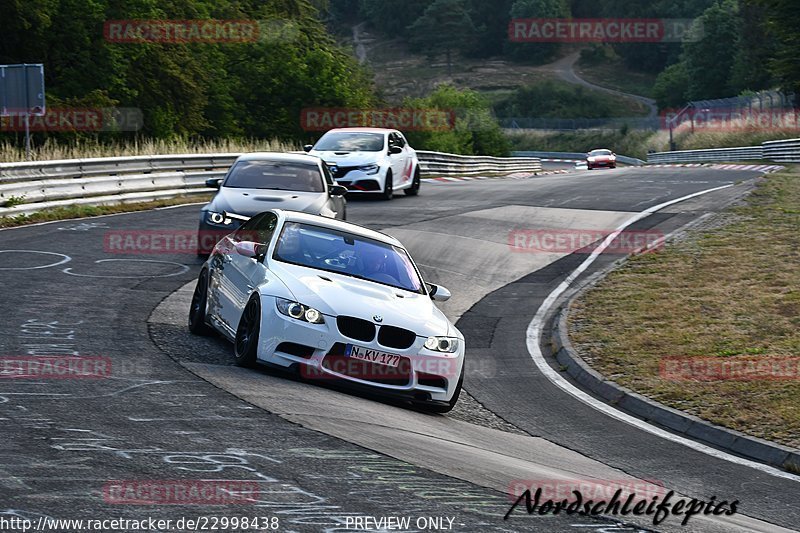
(729, 294)
(90, 147)
(83, 211)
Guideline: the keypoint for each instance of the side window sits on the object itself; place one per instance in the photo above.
(401, 141)
(392, 139)
(258, 229)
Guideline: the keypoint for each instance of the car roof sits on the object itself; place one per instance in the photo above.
(278, 156)
(361, 130)
(356, 229)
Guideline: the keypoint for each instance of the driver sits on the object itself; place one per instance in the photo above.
(374, 260)
(289, 245)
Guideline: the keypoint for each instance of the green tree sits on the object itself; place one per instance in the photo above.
(671, 86)
(754, 50)
(536, 52)
(491, 20)
(392, 17)
(708, 56)
(782, 23)
(475, 131)
(445, 26)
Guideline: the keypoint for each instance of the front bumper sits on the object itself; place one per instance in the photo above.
(318, 350)
(358, 181)
(601, 164)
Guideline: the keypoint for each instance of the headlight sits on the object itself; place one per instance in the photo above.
(299, 311)
(369, 169)
(442, 344)
(590, 159)
(218, 218)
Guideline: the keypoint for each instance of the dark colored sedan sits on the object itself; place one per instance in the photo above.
(259, 182)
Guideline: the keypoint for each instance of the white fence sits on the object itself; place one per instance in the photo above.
(29, 187)
(787, 151)
(437, 163)
(713, 154)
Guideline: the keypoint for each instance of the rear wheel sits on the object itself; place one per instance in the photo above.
(388, 188)
(414, 189)
(246, 343)
(197, 311)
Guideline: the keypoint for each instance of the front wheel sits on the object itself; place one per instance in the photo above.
(447, 407)
(388, 188)
(246, 342)
(414, 189)
(197, 311)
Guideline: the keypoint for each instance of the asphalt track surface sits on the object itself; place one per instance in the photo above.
(174, 407)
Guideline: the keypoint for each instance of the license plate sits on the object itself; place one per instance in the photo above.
(372, 356)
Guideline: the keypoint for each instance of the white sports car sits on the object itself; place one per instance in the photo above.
(334, 300)
(370, 160)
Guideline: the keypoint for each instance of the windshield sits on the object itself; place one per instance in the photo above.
(600, 152)
(345, 253)
(350, 142)
(276, 175)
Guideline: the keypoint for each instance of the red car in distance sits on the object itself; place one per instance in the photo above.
(601, 158)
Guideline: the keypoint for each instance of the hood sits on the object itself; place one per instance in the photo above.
(249, 202)
(349, 159)
(344, 295)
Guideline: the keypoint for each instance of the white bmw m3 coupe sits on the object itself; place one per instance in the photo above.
(335, 301)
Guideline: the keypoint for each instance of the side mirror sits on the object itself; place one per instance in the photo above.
(338, 190)
(395, 149)
(214, 183)
(438, 293)
(308, 147)
(250, 249)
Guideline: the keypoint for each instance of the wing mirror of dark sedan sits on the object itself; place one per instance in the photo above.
(338, 190)
(308, 147)
(250, 249)
(438, 293)
(393, 149)
(214, 183)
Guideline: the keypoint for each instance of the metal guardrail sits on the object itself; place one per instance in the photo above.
(787, 151)
(713, 154)
(575, 156)
(439, 163)
(29, 187)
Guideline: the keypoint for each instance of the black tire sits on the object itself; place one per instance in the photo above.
(388, 188)
(197, 311)
(445, 408)
(245, 346)
(414, 189)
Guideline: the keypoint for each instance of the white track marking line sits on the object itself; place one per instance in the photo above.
(537, 324)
